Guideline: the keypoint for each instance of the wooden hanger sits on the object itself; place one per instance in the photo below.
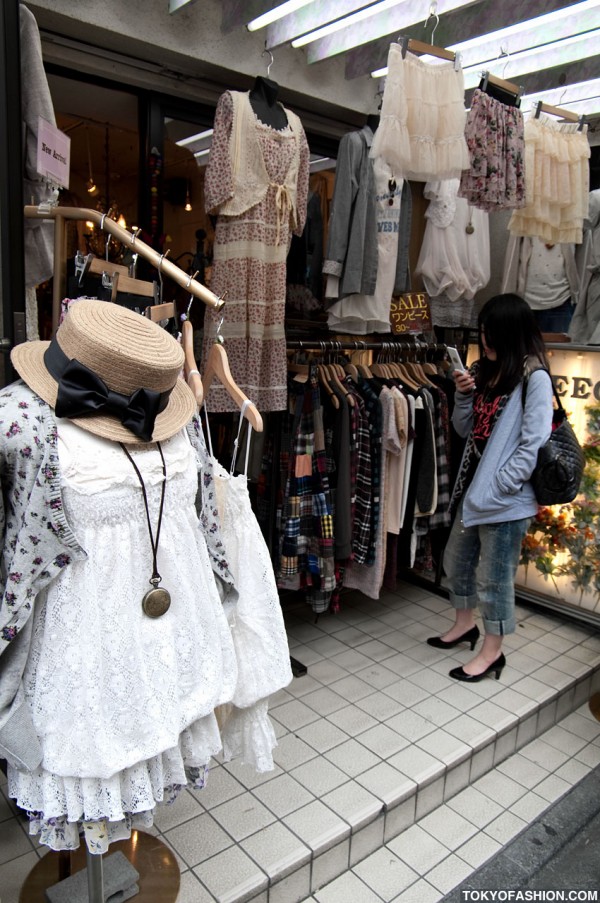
(415, 46)
(509, 87)
(358, 359)
(567, 115)
(352, 371)
(323, 374)
(121, 283)
(157, 312)
(336, 375)
(301, 371)
(190, 367)
(380, 370)
(96, 265)
(217, 366)
(407, 377)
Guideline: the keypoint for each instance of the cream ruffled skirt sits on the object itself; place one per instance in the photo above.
(557, 182)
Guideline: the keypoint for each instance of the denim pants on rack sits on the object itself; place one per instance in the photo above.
(480, 564)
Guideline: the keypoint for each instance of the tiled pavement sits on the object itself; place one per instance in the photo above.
(392, 781)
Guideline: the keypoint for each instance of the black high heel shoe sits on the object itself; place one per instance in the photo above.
(495, 668)
(471, 636)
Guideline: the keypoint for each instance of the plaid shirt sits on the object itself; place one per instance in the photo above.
(306, 525)
(362, 476)
(375, 419)
(441, 516)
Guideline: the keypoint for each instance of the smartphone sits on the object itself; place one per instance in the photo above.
(455, 359)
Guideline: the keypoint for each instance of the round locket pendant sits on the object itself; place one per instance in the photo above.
(156, 602)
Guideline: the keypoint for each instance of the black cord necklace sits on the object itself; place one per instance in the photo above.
(157, 600)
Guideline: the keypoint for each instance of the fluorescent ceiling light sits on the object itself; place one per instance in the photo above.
(324, 163)
(578, 17)
(582, 98)
(535, 59)
(193, 138)
(284, 9)
(352, 19)
(388, 19)
(202, 153)
(308, 19)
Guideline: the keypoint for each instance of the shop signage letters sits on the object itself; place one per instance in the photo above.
(53, 154)
(409, 313)
(578, 387)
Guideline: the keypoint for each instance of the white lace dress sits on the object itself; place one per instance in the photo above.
(257, 625)
(123, 703)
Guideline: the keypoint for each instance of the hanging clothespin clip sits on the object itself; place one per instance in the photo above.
(109, 281)
(82, 265)
(46, 207)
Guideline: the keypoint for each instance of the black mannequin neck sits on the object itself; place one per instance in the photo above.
(263, 99)
(373, 121)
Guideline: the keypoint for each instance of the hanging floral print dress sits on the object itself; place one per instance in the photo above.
(250, 251)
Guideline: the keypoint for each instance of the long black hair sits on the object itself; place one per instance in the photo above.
(511, 330)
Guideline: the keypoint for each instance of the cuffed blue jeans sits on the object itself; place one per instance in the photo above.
(480, 564)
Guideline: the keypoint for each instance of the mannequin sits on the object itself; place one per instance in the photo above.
(263, 99)
(373, 120)
(256, 183)
(115, 436)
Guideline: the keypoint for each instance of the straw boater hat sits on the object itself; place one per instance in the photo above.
(112, 371)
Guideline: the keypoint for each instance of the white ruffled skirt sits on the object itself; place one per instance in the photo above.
(422, 129)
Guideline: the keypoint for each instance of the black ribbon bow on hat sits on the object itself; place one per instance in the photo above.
(81, 392)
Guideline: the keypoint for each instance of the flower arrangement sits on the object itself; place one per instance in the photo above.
(564, 540)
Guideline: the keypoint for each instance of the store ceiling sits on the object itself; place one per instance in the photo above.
(560, 55)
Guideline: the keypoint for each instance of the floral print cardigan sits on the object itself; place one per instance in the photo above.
(37, 542)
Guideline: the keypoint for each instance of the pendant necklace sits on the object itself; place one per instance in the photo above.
(470, 228)
(157, 600)
(392, 189)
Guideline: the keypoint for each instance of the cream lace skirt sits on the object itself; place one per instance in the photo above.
(556, 180)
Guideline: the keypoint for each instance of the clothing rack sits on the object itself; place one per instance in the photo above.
(60, 214)
(405, 344)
